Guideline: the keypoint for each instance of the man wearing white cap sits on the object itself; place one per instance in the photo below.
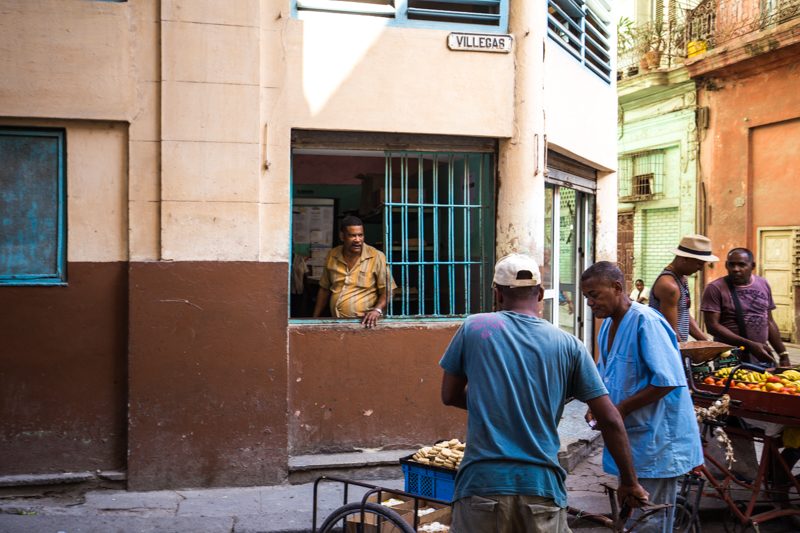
(670, 293)
(512, 371)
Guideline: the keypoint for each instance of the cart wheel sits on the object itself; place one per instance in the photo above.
(382, 514)
(731, 523)
(686, 520)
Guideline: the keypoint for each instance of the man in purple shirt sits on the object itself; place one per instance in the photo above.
(755, 300)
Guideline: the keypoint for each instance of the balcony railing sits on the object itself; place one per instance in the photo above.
(714, 23)
(692, 29)
(650, 46)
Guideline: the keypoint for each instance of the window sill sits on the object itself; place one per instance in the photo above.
(353, 8)
(32, 283)
(392, 19)
(393, 322)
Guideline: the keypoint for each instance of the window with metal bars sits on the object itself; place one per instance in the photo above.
(582, 28)
(425, 201)
(641, 176)
(438, 219)
(492, 15)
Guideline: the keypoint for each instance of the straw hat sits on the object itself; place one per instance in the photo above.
(696, 247)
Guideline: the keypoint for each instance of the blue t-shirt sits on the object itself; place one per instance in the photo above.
(520, 370)
(664, 436)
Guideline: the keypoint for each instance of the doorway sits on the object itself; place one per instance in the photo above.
(568, 251)
(625, 252)
(778, 254)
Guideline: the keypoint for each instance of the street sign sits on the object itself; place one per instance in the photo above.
(479, 42)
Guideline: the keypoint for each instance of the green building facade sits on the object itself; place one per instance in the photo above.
(658, 167)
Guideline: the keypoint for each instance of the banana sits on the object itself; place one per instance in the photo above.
(792, 375)
(751, 376)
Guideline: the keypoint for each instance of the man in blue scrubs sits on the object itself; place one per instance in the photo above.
(512, 372)
(641, 367)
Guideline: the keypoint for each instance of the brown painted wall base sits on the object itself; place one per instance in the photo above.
(207, 374)
(206, 380)
(62, 373)
(355, 388)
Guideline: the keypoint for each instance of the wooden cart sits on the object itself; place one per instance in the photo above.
(765, 501)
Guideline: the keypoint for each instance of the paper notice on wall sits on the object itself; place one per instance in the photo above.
(313, 231)
(317, 237)
(300, 231)
(319, 253)
(312, 224)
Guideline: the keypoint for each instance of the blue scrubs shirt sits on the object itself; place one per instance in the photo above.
(664, 436)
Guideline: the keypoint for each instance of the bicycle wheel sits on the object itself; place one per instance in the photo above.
(382, 514)
(685, 520)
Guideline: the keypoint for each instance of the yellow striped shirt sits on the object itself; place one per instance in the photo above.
(354, 292)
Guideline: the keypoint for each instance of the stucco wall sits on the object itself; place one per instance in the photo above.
(62, 359)
(658, 113)
(93, 77)
(63, 373)
(178, 117)
(581, 110)
(749, 155)
(353, 388)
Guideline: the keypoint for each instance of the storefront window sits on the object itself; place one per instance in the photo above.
(431, 213)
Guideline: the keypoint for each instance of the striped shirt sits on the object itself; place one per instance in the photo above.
(355, 291)
(684, 302)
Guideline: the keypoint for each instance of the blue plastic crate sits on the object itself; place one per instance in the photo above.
(429, 481)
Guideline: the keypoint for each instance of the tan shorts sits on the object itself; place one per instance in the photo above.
(508, 514)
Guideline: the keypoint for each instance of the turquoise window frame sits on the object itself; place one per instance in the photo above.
(567, 26)
(453, 206)
(56, 276)
(401, 14)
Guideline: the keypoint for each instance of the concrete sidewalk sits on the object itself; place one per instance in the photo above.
(281, 508)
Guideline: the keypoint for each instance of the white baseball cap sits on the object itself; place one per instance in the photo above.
(507, 270)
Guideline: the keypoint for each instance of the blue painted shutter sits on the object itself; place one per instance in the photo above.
(31, 206)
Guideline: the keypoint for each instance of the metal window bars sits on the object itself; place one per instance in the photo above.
(438, 221)
(641, 176)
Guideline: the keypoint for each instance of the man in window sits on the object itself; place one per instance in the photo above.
(355, 277)
(640, 293)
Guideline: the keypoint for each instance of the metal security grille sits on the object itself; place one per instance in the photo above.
(641, 176)
(439, 231)
(581, 27)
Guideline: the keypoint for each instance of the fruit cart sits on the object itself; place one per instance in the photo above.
(754, 394)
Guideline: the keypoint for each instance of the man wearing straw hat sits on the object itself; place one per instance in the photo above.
(670, 293)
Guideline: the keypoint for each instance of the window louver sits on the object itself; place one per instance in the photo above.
(486, 12)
